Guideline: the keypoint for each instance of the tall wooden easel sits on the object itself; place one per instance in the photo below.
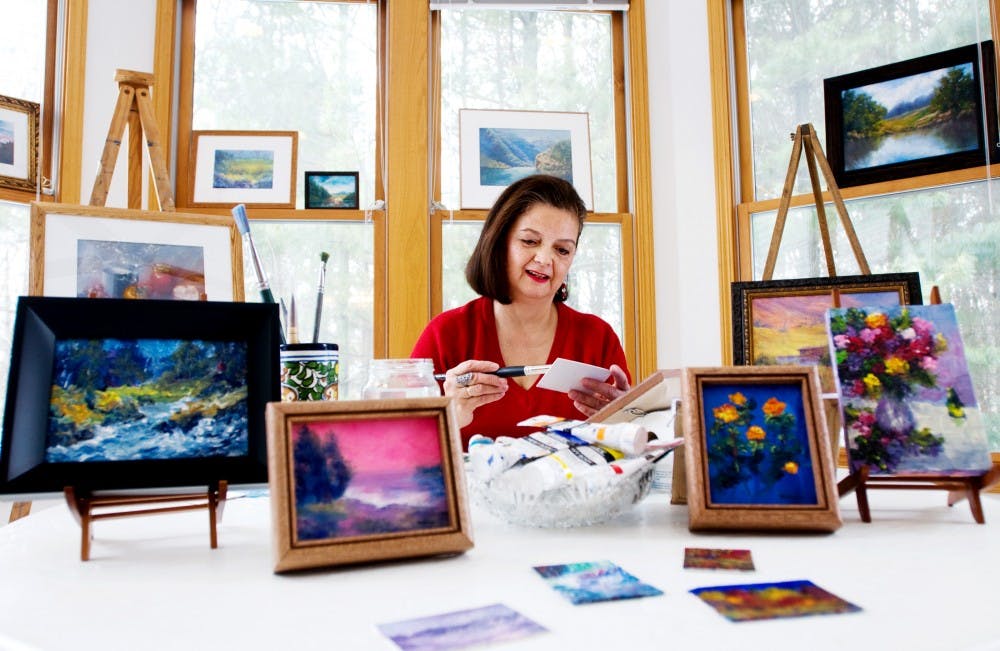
(960, 486)
(135, 110)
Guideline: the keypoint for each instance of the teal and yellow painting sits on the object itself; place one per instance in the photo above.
(757, 445)
(906, 396)
(243, 168)
(368, 477)
(129, 400)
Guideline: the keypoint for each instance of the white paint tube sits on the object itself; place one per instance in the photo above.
(556, 469)
(630, 438)
(491, 457)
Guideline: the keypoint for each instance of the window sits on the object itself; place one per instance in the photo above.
(945, 226)
(360, 82)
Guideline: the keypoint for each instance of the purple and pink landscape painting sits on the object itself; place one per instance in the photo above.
(368, 477)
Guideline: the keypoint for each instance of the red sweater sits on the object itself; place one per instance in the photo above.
(470, 332)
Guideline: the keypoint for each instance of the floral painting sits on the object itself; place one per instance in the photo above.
(905, 393)
(757, 444)
(368, 477)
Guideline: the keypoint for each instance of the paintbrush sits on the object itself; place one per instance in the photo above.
(243, 226)
(508, 371)
(293, 323)
(323, 257)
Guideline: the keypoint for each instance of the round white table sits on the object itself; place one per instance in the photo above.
(924, 574)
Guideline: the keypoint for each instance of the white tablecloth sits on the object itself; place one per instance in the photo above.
(924, 574)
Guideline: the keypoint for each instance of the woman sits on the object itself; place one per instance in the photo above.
(519, 269)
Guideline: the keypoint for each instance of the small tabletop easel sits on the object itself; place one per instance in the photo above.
(88, 508)
(135, 109)
(959, 486)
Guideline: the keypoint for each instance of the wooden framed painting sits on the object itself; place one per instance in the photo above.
(497, 148)
(365, 480)
(930, 114)
(784, 321)
(98, 252)
(757, 454)
(255, 168)
(18, 143)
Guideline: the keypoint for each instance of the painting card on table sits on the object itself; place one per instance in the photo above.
(717, 559)
(589, 582)
(461, 629)
(905, 392)
(754, 601)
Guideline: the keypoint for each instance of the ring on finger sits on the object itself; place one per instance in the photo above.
(463, 380)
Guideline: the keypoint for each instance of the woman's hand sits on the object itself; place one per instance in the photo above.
(596, 394)
(471, 385)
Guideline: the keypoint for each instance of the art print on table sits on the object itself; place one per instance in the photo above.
(461, 629)
(905, 392)
(757, 453)
(364, 480)
(718, 559)
(755, 601)
(584, 583)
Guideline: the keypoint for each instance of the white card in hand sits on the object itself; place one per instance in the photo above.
(566, 374)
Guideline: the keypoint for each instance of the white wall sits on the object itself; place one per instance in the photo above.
(686, 271)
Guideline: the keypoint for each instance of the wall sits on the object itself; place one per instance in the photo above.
(687, 313)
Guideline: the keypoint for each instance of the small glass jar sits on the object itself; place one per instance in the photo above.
(400, 378)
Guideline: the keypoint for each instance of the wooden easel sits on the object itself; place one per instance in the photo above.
(134, 109)
(964, 486)
(959, 486)
(805, 138)
(85, 508)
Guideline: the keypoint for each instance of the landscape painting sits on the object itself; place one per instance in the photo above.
(757, 444)
(368, 477)
(461, 629)
(332, 190)
(905, 392)
(117, 269)
(243, 168)
(127, 400)
(590, 582)
(911, 117)
(784, 322)
(7, 142)
(506, 155)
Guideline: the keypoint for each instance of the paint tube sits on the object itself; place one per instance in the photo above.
(491, 457)
(556, 469)
(629, 438)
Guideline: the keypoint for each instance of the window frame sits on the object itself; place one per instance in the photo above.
(407, 289)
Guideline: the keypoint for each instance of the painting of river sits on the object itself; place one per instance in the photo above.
(924, 115)
(128, 400)
(506, 155)
(368, 477)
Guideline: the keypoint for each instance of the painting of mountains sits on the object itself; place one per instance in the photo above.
(506, 154)
(332, 190)
(6, 142)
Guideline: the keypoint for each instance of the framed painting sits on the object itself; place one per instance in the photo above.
(117, 394)
(97, 252)
(365, 480)
(757, 455)
(497, 148)
(914, 117)
(18, 143)
(784, 321)
(256, 168)
(332, 190)
(905, 393)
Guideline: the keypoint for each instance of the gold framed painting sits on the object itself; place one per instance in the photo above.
(359, 481)
(98, 252)
(757, 453)
(18, 143)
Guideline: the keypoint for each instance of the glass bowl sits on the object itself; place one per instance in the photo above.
(573, 505)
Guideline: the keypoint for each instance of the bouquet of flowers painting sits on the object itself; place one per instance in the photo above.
(905, 393)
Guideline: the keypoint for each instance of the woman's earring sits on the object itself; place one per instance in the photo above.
(562, 294)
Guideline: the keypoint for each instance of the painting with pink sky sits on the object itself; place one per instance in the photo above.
(368, 477)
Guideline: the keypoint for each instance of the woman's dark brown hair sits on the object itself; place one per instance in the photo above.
(486, 271)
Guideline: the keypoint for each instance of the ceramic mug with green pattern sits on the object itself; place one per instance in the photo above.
(309, 372)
